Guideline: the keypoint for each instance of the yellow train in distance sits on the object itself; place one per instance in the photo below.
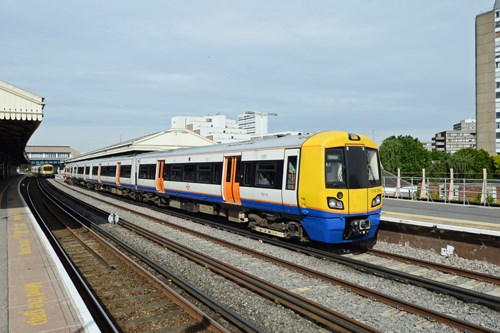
(44, 171)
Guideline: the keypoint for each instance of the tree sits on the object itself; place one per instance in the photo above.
(404, 152)
(496, 165)
(470, 163)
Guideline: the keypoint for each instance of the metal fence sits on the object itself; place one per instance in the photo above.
(441, 189)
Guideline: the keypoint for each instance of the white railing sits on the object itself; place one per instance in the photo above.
(443, 189)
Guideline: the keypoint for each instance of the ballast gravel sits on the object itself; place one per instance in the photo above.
(275, 318)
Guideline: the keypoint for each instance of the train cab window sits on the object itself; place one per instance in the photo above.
(265, 174)
(335, 168)
(373, 167)
(189, 172)
(204, 173)
(291, 173)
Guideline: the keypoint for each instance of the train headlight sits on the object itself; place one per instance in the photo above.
(335, 203)
(377, 200)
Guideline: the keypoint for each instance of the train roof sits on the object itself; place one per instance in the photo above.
(283, 141)
(254, 144)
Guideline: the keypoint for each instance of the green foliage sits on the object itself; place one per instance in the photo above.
(496, 165)
(404, 152)
(469, 163)
(408, 154)
(440, 164)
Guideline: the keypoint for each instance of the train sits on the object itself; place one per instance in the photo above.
(45, 171)
(324, 187)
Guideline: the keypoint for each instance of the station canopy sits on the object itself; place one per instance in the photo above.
(171, 139)
(21, 113)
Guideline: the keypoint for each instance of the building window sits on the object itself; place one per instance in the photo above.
(497, 14)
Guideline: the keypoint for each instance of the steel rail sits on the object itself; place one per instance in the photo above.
(438, 267)
(104, 321)
(202, 319)
(348, 286)
(365, 267)
(317, 312)
(230, 315)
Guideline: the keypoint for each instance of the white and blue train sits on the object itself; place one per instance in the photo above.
(324, 187)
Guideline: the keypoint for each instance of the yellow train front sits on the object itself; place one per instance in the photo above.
(340, 192)
(46, 171)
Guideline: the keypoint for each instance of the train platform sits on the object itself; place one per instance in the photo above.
(36, 294)
(453, 217)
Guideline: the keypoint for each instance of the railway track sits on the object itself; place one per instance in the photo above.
(128, 297)
(393, 302)
(471, 286)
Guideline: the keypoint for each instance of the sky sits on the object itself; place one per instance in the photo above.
(115, 70)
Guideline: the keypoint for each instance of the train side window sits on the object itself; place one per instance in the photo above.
(247, 174)
(189, 172)
(204, 173)
(167, 171)
(95, 170)
(265, 175)
(112, 171)
(176, 172)
(147, 171)
(217, 173)
(291, 173)
(125, 171)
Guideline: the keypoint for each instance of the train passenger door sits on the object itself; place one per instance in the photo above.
(231, 179)
(290, 181)
(160, 185)
(118, 172)
(99, 173)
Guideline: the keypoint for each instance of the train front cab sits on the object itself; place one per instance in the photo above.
(340, 192)
(46, 171)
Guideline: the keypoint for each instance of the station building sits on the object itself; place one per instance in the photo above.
(462, 136)
(221, 129)
(55, 155)
(21, 112)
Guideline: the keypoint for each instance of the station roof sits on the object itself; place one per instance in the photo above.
(21, 113)
(174, 138)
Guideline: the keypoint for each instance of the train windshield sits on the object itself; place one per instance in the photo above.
(47, 168)
(352, 167)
